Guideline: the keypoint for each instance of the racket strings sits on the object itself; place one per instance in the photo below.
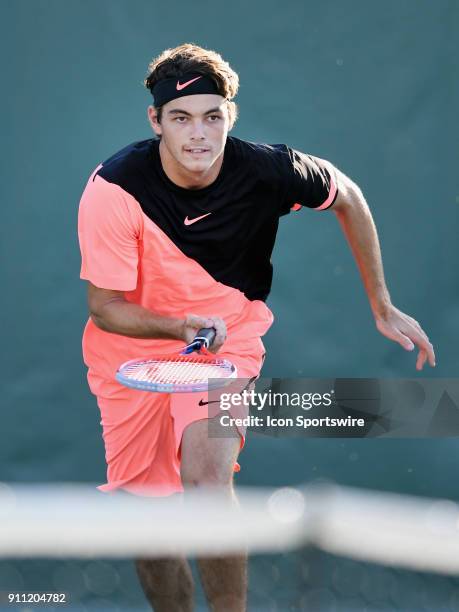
(186, 370)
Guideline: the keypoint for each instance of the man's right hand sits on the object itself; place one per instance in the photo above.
(193, 323)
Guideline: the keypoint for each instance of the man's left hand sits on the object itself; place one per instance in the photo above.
(405, 330)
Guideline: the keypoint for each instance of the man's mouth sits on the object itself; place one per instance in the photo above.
(196, 150)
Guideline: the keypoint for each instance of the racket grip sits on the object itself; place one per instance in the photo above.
(205, 336)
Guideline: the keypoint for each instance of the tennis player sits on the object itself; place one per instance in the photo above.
(176, 233)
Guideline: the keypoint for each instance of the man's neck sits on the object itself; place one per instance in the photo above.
(182, 177)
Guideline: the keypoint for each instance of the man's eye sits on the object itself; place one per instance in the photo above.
(214, 118)
(180, 119)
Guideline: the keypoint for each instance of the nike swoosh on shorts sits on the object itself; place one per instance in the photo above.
(201, 403)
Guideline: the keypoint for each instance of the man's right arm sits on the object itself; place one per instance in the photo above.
(109, 226)
(111, 312)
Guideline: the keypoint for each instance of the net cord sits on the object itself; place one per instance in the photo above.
(77, 521)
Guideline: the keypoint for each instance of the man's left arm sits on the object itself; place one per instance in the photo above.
(358, 226)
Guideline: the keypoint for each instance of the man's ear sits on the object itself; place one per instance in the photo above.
(232, 111)
(152, 113)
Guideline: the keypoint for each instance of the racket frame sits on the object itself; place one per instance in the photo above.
(205, 385)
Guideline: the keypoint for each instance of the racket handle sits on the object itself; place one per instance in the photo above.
(205, 336)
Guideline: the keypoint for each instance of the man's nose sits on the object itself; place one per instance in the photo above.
(197, 132)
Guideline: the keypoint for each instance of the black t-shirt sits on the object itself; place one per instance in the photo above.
(228, 227)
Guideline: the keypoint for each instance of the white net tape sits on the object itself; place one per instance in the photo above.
(77, 521)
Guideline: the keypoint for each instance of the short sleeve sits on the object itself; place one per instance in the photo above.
(108, 232)
(309, 181)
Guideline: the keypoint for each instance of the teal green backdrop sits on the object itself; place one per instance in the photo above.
(373, 87)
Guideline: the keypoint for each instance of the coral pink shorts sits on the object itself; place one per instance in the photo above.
(143, 431)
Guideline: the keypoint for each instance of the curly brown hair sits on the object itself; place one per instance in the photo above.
(192, 58)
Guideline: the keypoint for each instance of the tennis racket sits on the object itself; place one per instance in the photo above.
(185, 372)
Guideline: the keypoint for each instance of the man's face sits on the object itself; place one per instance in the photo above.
(193, 129)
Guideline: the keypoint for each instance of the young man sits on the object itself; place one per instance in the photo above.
(183, 224)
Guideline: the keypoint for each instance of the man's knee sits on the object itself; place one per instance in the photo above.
(207, 473)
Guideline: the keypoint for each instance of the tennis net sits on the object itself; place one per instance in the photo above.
(326, 547)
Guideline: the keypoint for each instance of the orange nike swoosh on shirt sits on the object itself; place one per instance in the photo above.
(191, 221)
(183, 85)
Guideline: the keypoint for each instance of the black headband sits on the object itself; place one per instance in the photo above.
(188, 84)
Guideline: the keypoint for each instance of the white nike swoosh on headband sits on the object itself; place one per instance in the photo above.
(180, 86)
